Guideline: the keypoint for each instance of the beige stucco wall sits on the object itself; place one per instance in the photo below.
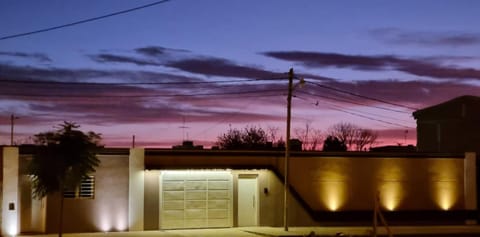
(271, 202)
(337, 182)
(342, 183)
(108, 211)
(324, 183)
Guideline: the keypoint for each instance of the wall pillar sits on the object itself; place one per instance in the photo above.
(470, 182)
(10, 200)
(136, 163)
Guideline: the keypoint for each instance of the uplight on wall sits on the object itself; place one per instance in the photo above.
(121, 223)
(446, 194)
(12, 230)
(111, 217)
(104, 223)
(391, 194)
(333, 194)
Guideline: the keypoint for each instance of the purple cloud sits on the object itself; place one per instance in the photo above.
(221, 67)
(155, 51)
(416, 67)
(429, 39)
(208, 66)
(36, 56)
(66, 94)
(112, 58)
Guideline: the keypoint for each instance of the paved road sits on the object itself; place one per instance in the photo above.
(230, 232)
(403, 231)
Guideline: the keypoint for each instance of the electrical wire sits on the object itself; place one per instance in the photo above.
(119, 83)
(352, 102)
(224, 119)
(360, 96)
(358, 114)
(40, 82)
(144, 96)
(82, 21)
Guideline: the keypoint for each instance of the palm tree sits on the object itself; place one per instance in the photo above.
(63, 158)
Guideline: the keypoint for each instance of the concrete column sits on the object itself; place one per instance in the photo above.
(136, 163)
(10, 201)
(470, 184)
(470, 181)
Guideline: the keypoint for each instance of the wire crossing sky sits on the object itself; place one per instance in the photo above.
(81, 21)
(162, 69)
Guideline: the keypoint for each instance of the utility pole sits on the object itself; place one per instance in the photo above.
(12, 122)
(287, 150)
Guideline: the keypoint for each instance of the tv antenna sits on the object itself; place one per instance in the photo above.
(183, 127)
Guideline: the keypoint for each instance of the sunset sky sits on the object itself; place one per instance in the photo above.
(187, 69)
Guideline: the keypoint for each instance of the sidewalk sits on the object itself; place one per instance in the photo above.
(470, 230)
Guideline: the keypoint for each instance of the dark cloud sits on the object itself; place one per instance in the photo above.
(208, 66)
(428, 39)
(221, 67)
(155, 51)
(36, 74)
(36, 56)
(317, 59)
(151, 51)
(416, 67)
(112, 58)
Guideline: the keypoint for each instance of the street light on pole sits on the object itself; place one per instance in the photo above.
(287, 146)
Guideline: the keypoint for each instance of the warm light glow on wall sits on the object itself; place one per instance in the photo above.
(333, 194)
(446, 194)
(446, 183)
(120, 223)
(104, 222)
(12, 230)
(390, 194)
(111, 217)
(391, 176)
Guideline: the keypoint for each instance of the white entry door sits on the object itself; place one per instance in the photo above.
(247, 201)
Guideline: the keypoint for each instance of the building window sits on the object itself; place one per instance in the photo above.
(86, 189)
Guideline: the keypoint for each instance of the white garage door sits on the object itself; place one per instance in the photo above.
(195, 199)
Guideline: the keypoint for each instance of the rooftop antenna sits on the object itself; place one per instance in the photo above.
(12, 122)
(183, 127)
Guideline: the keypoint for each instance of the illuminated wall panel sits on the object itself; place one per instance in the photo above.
(351, 183)
(391, 194)
(10, 201)
(107, 211)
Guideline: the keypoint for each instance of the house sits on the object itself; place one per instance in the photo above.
(150, 189)
(452, 126)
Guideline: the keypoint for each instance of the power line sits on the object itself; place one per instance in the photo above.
(353, 102)
(361, 96)
(147, 96)
(358, 114)
(224, 119)
(370, 118)
(82, 21)
(121, 83)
